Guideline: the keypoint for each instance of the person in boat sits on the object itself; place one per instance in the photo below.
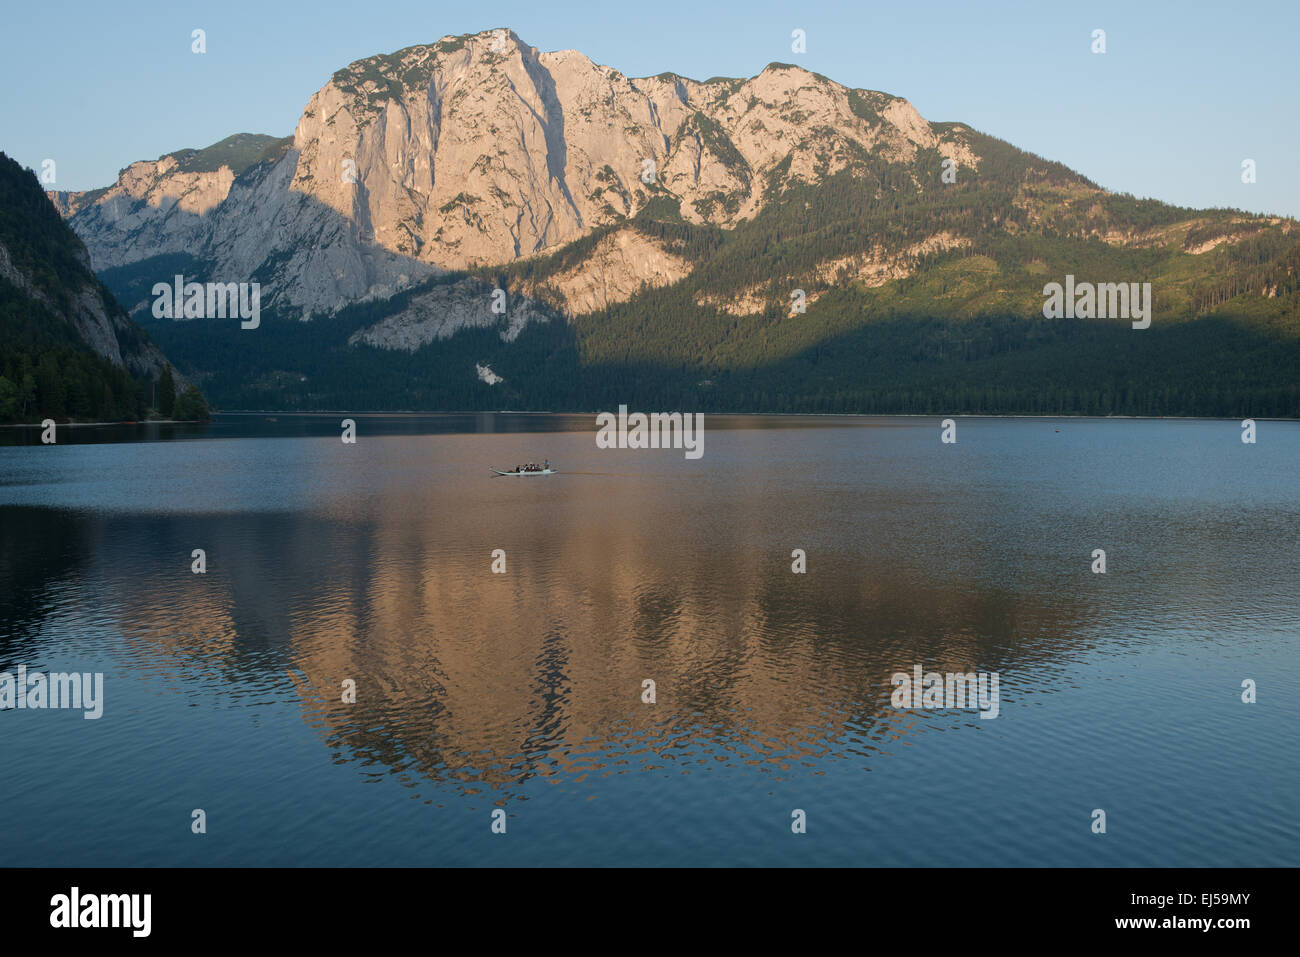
(547, 465)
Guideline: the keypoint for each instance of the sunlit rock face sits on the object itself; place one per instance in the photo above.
(480, 150)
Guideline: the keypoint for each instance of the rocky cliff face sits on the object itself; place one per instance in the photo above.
(619, 266)
(100, 324)
(153, 208)
(253, 227)
(443, 311)
(69, 203)
(480, 150)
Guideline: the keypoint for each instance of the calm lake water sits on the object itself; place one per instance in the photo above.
(522, 691)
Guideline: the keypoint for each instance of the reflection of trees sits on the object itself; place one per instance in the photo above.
(38, 549)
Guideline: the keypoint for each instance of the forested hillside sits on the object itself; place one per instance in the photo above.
(67, 349)
(955, 327)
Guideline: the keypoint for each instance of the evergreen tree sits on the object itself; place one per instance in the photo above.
(166, 392)
(190, 406)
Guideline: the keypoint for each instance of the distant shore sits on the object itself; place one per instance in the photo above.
(789, 415)
(802, 415)
(38, 425)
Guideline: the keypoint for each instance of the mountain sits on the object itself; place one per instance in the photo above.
(481, 150)
(777, 242)
(67, 348)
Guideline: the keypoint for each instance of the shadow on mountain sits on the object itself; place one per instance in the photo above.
(309, 258)
(915, 364)
(662, 350)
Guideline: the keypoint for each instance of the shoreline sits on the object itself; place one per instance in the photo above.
(774, 415)
(802, 415)
(61, 425)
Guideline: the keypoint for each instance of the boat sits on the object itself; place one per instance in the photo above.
(536, 470)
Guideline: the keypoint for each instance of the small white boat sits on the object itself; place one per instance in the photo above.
(542, 471)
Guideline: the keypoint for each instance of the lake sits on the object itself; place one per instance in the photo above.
(371, 565)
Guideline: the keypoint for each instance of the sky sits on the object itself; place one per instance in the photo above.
(1183, 94)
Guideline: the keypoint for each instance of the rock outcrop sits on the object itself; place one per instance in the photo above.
(446, 309)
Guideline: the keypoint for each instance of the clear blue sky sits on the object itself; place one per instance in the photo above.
(1184, 93)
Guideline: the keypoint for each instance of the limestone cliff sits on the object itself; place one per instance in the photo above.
(480, 150)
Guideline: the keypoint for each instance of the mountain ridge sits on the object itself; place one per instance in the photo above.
(705, 228)
(714, 160)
